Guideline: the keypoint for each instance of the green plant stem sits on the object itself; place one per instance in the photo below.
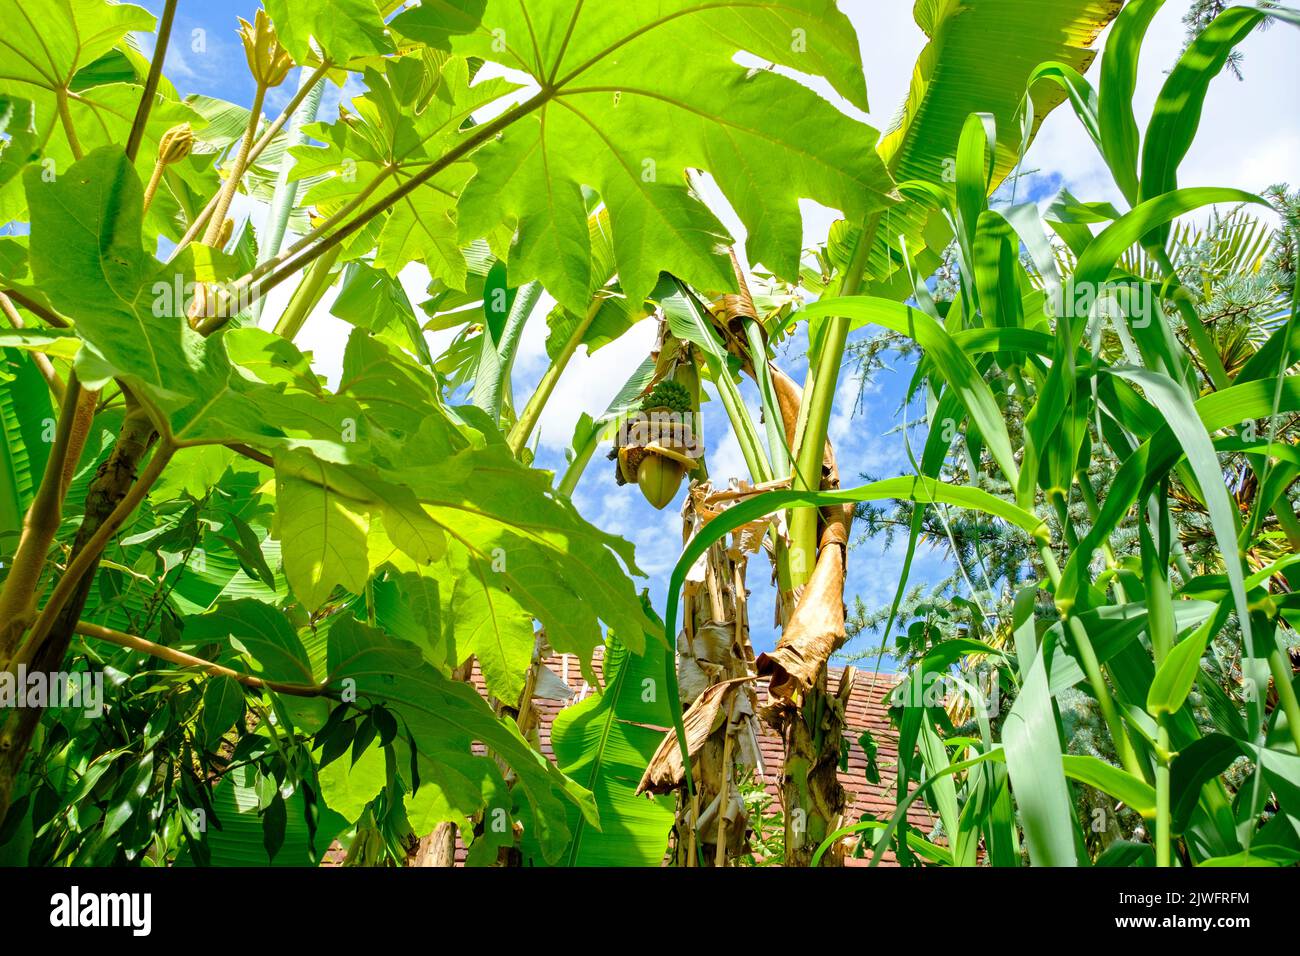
(819, 396)
(1108, 552)
(228, 188)
(1096, 681)
(305, 298)
(141, 119)
(69, 128)
(263, 141)
(286, 190)
(1163, 819)
(1067, 526)
(1161, 630)
(41, 361)
(1100, 689)
(742, 426)
(573, 474)
(267, 265)
(136, 643)
(528, 418)
(35, 308)
(1201, 338)
(777, 449)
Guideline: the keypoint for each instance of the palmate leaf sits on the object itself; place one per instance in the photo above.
(45, 50)
(516, 551)
(609, 314)
(411, 114)
(87, 259)
(373, 300)
(602, 120)
(488, 622)
(263, 633)
(17, 148)
(454, 610)
(256, 637)
(326, 534)
(342, 29)
(540, 551)
(422, 228)
(380, 468)
(337, 523)
(514, 543)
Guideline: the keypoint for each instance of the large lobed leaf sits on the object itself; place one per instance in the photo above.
(50, 53)
(379, 472)
(602, 119)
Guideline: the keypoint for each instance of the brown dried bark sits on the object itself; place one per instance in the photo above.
(809, 720)
(715, 665)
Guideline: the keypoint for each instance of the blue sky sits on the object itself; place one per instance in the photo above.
(205, 57)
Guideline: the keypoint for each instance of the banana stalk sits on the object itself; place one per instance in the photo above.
(715, 669)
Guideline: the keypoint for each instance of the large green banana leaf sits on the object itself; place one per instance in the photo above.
(605, 742)
(979, 59)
